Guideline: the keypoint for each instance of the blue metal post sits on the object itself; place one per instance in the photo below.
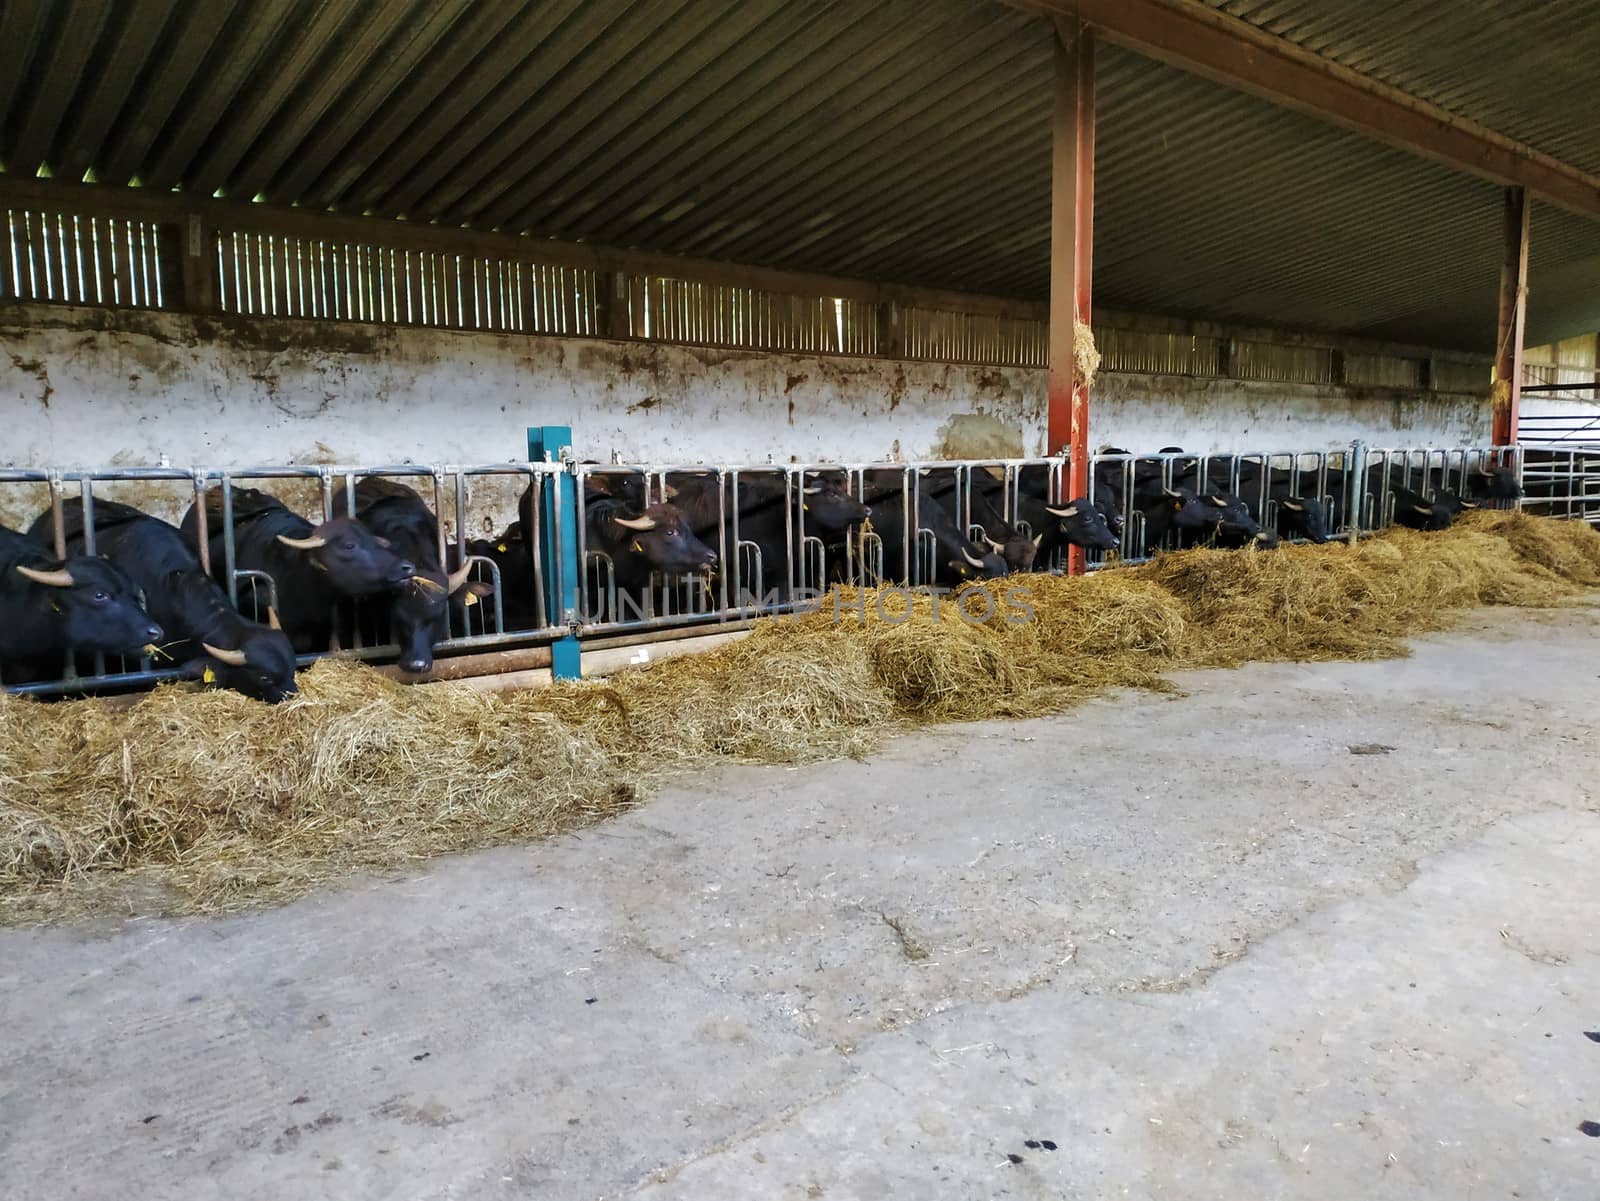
(558, 546)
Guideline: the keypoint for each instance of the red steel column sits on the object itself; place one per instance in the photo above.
(1071, 247)
(1513, 313)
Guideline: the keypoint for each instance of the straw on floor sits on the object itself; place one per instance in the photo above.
(192, 801)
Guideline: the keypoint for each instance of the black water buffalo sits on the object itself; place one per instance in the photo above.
(1303, 517)
(415, 615)
(1453, 502)
(932, 530)
(764, 513)
(313, 567)
(1045, 527)
(639, 543)
(1497, 485)
(51, 607)
(513, 561)
(1238, 526)
(1177, 517)
(1415, 511)
(210, 639)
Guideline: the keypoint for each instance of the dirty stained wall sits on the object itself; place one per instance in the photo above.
(91, 386)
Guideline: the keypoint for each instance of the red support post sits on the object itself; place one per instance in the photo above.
(1071, 250)
(1512, 317)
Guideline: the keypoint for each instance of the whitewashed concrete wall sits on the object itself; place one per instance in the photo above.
(90, 387)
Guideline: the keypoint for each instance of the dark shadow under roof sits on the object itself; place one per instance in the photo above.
(905, 141)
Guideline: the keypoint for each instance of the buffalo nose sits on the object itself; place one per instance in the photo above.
(152, 633)
(416, 665)
(407, 568)
(711, 558)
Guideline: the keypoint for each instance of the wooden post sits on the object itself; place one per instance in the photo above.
(1071, 256)
(616, 322)
(1512, 317)
(188, 265)
(891, 330)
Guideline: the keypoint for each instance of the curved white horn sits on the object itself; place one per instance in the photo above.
(1293, 508)
(272, 619)
(457, 579)
(60, 578)
(1220, 501)
(312, 543)
(998, 547)
(636, 523)
(1037, 539)
(231, 658)
(1069, 511)
(812, 489)
(965, 554)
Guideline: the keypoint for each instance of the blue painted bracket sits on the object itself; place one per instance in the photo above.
(558, 546)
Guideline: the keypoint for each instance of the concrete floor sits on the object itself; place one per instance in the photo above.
(1176, 948)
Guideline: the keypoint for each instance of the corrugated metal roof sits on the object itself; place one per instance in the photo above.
(906, 141)
(1524, 68)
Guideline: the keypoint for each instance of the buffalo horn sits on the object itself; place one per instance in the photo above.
(1220, 501)
(967, 555)
(231, 658)
(812, 489)
(1294, 508)
(997, 547)
(1425, 510)
(311, 543)
(458, 579)
(636, 523)
(60, 578)
(272, 619)
(1069, 511)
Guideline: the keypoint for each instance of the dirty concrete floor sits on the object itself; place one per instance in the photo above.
(1157, 947)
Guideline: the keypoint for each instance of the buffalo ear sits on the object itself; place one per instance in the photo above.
(478, 589)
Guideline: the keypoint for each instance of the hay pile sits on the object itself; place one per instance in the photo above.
(202, 801)
(216, 801)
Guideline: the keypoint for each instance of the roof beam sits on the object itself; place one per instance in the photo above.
(1197, 38)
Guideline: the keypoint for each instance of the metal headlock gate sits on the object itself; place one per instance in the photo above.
(553, 581)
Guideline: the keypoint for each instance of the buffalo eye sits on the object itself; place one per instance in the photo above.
(101, 598)
(350, 544)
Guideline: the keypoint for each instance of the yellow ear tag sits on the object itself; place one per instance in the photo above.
(503, 548)
(209, 676)
(472, 599)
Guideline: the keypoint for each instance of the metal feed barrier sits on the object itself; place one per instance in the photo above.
(1562, 480)
(566, 585)
(478, 627)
